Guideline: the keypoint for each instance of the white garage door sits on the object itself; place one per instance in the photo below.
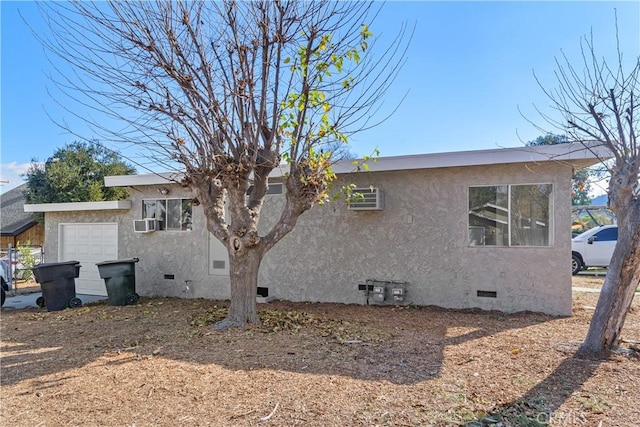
(89, 244)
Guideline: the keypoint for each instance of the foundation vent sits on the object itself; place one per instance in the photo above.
(487, 294)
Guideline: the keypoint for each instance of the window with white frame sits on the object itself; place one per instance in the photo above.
(511, 215)
(170, 214)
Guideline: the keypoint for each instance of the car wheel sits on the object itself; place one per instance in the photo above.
(4, 284)
(4, 296)
(576, 264)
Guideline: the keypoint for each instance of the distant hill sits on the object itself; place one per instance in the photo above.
(600, 200)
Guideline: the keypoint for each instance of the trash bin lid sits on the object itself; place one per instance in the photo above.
(54, 264)
(50, 271)
(118, 261)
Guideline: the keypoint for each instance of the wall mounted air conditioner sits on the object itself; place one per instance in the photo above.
(367, 199)
(146, 225)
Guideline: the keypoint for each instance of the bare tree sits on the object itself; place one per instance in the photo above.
(598, 102)
(226, 92)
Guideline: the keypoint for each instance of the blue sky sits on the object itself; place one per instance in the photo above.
(468, 72)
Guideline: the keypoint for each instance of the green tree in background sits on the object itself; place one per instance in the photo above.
(580, 181)
(75, 173)
(580, 187)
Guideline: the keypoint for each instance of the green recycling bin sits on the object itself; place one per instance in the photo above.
(120, 279)
(58, 283)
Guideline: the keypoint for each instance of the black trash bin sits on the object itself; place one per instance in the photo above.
(58, 283)
(120, 279)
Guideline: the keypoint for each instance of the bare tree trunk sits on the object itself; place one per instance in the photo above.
(226, 91)
(621, 282)
(244, 267)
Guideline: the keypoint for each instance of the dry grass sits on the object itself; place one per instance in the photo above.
(592, 278)
(160, 364)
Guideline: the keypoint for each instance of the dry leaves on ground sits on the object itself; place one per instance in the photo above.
(160, 363)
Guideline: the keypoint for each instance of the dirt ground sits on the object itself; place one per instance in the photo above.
(159, 363)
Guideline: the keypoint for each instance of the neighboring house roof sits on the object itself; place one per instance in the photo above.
(578, 155)
(13, 219)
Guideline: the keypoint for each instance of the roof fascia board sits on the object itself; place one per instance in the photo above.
(577, 154)
(79, 206)
(569, 153)
(145, 179)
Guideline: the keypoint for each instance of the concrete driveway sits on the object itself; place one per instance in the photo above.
(29, 300)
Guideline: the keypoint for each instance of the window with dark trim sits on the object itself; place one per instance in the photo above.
(511, 215)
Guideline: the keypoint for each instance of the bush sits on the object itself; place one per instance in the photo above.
(27, 259)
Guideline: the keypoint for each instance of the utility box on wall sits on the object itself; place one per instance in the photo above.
(398, 294)
(378, 293)
(384, 291)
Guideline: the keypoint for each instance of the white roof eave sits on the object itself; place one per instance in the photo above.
(569, 153)
(79, 206)
(145, 179)
(577, 154)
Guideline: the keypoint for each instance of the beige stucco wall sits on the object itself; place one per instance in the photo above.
(183, 254)
(420, 238)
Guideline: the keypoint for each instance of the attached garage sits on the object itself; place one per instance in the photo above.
(85, 232)
(88, 243)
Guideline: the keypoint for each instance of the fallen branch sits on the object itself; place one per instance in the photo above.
(263, 419)
(233, 417)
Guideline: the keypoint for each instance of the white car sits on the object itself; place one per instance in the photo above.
(593, 248)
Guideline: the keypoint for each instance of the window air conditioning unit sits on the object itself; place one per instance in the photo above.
(366, 199)
(146, 225)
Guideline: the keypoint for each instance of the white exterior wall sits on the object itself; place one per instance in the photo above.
(420, 238)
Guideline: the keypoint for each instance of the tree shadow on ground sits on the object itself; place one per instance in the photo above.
(594, 272)
(401, 345)
(539, 406)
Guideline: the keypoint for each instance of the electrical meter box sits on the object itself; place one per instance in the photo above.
(398, 294)
(378, 293)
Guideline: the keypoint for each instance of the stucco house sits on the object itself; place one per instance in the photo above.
(487, 229)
